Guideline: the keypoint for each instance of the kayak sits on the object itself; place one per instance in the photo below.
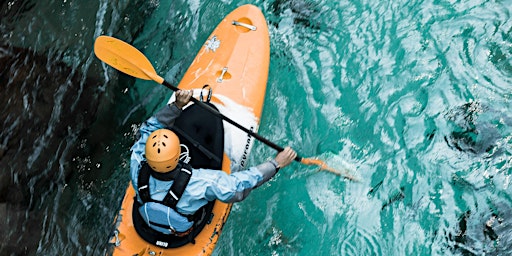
(229, 73)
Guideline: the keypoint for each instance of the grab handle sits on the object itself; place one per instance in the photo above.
(245, 25)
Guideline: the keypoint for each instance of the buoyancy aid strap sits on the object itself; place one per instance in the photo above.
(143, 183)
(178, 186)
(181, 176)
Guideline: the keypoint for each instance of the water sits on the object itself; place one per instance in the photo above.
(413, 97)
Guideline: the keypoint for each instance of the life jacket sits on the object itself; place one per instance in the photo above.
(203, 140)
(163, 216)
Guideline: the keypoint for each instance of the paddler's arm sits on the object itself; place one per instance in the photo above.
(270, 168)
(168, 114)
(237, 186)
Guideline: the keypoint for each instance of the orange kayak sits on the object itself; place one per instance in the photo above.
(234, 63)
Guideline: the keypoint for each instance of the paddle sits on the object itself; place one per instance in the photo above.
(131, 61)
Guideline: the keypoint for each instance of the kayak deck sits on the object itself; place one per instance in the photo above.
(234, 63)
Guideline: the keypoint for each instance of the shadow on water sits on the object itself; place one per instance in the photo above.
(59, 123)
(41, 116)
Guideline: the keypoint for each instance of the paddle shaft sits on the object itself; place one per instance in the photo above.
(229, 120)
(131, 61)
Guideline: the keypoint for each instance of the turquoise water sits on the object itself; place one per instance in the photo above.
(412, 97)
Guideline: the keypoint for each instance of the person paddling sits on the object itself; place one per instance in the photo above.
(169, 191)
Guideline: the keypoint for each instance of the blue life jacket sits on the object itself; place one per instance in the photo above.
(163, 216)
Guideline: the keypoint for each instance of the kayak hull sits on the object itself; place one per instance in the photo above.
(234, 64)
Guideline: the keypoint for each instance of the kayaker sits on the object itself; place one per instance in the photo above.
(157, 151)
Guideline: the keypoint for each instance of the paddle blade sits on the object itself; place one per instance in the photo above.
(125, 58)
(325, 167)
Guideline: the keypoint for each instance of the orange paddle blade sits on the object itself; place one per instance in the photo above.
(125, 58)
(324, 166)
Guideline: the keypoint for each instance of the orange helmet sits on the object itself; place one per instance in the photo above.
(163, 150)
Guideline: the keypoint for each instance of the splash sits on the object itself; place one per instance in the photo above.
(337, 165)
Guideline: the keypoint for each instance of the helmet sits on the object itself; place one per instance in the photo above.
(163, 150)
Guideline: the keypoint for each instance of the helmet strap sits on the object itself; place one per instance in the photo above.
(167, 176)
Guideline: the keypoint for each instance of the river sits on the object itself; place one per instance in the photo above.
(412, 97)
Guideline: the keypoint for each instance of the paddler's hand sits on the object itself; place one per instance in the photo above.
(285, 157)
(183, 98)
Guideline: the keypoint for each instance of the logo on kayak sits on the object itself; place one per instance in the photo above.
(247, 148)
(162, 244)
(212, 44)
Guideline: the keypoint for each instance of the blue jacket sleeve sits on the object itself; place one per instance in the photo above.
(235, 187)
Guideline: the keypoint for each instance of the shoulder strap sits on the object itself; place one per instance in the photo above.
(181, 179)
(143, 182)
(179, 185)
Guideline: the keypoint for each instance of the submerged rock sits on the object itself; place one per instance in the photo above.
(476, 129)
(303, 13)
(486, 233)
